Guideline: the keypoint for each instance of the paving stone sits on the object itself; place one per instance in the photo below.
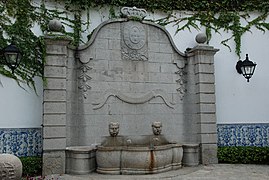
(208, 172)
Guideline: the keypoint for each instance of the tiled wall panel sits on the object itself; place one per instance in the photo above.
(21, 141)
(243, 135)
(28, 141)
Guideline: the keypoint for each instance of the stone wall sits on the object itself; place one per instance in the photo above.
(129, 72)
(133, 83)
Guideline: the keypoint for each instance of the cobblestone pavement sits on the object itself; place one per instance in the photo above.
(209, 172)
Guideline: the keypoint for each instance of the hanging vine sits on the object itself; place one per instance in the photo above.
(18, 17)
(16, 20)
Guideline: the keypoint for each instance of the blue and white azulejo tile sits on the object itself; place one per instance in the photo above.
(28, 141)
(243, 134)
(21, 141)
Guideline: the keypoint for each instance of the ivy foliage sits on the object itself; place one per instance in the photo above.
(214, 15)
(189, 5)
(18, 17)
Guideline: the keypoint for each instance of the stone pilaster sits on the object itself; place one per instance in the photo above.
(54, 106)
(202, 57)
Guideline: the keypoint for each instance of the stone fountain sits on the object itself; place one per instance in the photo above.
(130, 71)
(146, 154)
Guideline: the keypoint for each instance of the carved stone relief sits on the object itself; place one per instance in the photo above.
(134, 12)
(83, 78)
(132, 100)
(182, 77)
(7, 171)
(181, 82)
(10, 167)
(134, 42)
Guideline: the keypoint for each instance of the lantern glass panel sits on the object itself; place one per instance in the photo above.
(11, 57)
(247, 69)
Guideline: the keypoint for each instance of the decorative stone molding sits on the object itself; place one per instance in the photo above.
(134, 12)
(124, 20)
(132, 100)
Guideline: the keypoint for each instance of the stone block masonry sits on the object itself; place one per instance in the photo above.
(202, 58)
(54, 106)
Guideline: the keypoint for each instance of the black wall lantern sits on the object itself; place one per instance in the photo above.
(12, 56)
(246, 68)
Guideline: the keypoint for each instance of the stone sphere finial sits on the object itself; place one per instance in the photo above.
(201, 38)
(55, 25)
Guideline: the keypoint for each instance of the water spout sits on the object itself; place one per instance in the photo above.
(129, 142)
(156, 139)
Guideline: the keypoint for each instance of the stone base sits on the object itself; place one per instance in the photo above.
(209, 153)
(80, 160)
(53, 162)
(190, 155)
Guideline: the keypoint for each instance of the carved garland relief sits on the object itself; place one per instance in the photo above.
(132, 100)
(84, 78)
(181, 82)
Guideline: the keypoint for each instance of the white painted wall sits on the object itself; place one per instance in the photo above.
(20, 108)
(237, 100)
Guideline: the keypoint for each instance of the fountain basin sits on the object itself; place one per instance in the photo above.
(140, 157)
(80, 160)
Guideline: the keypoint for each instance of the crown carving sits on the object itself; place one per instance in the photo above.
(134, 12)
